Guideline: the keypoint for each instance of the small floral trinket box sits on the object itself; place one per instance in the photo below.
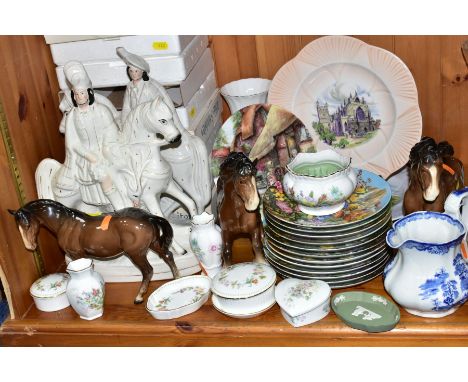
(303, 302)
(49, 292)
(244, 290)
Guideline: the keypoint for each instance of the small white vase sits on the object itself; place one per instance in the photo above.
(85, 290)
(242, 93)
(207, 243)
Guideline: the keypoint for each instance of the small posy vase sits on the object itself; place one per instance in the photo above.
(85, 290)
(207, 243)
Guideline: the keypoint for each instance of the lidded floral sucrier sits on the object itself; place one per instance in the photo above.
(50, 292)
(244, 290)
(303, 302)
(320, 182)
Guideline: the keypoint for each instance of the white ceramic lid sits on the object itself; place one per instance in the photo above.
(243, 280)
(50, 286)
(179, 293)
(297, 297)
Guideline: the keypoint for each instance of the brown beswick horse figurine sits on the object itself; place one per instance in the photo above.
(237, 205)
(129, 231)
(434, 174)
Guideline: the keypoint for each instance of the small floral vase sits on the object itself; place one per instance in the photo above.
(85, 290)
(207, 243)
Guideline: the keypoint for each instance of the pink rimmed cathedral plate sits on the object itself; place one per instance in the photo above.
(356, 98)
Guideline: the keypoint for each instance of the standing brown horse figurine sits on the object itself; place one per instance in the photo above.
(129, 231)
(237, 202)
(434, 174)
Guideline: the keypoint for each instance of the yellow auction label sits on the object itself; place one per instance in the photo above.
(160, 45)
(193, 112)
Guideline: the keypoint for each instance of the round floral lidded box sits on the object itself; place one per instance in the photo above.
(49, 292)
(303, 302)
(244, 290)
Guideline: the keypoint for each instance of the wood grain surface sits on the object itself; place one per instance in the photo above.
(131, 325)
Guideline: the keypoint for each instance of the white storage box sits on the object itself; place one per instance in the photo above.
(191, 113)
(210, 122)
(167, 70)
(58, 39)
(104, 48)
(181, 94)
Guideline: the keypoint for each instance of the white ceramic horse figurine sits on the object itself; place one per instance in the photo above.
(149, 175)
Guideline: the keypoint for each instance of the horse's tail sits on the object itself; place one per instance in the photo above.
(161, 224)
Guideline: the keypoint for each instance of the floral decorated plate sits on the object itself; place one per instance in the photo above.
(243, 280)
(349, 282)
(311, 235)
(371, 196)
(264, 132)
(324, 232)
(356, 98)
(337, 241)
(303, 301)
(328, 262)
(326, 253)
(366, 311)
(328, 276)
(326, 248)
(179, 297)
(323, 266)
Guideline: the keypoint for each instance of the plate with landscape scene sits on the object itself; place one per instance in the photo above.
(321, 232)
(356, 98)
(371, 195)
(336, 239)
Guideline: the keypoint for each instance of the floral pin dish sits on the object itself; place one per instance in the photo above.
(179, 297)
(366, 311)
(303, 302)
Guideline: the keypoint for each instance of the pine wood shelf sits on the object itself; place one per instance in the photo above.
(124, 324)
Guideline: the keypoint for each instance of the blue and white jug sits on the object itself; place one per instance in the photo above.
(429, 275)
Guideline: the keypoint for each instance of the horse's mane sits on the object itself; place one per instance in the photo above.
(237, 163)
(427, 151)
(41, 205)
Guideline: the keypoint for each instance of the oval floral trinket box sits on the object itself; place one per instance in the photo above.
(303, 302)
(244, 290)
(49, 292)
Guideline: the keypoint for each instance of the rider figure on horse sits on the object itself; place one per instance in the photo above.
(91, 138)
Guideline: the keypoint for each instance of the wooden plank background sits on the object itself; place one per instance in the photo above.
(436, 63)
(28, 93)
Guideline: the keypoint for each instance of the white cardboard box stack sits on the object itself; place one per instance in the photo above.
(183, 64)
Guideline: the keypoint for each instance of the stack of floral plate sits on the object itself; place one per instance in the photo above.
(344, 249)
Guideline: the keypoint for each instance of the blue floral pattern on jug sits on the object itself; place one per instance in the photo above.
(389, 267)
(449, 288)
